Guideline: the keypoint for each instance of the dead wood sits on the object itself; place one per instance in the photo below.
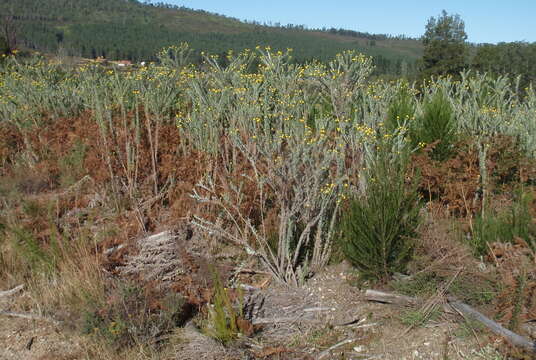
(13, 291)
(27, 316)
(328, 351)
(463, 309)
(389, 298)
(264, 321)
(497, 329)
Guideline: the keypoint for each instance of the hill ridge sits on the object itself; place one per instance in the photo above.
(129, 29)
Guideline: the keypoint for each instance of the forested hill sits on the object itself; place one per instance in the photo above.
(128, 29)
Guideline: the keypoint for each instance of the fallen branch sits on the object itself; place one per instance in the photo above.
(463, 309)
(253, 272)
(263, 321)
(318, 309)
(327, 352)
(401, 300)
(13, 291)
(497, 329)
(355, 321)
(388, 298)
(27, 316)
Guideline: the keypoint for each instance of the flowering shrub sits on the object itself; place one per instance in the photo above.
(305, 135)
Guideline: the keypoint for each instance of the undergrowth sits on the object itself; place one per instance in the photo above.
(437, 125)
(132, 315)
(225, 319)
(378, 229)
(272, 157)
(507, 225)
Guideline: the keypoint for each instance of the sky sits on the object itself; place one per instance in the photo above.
(486, 21)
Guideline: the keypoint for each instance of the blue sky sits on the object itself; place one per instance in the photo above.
(485, 20)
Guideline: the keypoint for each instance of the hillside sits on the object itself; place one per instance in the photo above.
(128, 29)
(208, 212)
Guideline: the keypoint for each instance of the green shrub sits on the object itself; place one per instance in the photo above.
(468, 288)
(468, 328)
(222, 322)
(437, 127)
(401, 110)
(515, 222)
(423, 284)
(415, 318)
(72, 165)
(34, 257)
(377, 229)
(33, 241)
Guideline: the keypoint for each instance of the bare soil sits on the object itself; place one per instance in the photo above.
(327, 311)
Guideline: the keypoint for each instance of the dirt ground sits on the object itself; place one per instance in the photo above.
(379, 330)
(33, 339)
(328, 311)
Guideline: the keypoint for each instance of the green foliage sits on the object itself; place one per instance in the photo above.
(468, 327)
(505, 226)
(401, 110)
(323, 337)
(72, 165)
(222, 321)
(415, 318)
(518, 300)
(37, 259)
(436, 126)
(445, 50)
(91, 28)
(423, 285)
(34, 258)
(3, 47)
(175, 56)
(302, 131)
(378, 228)
(471, 290)
(316, 117)
(515, 59)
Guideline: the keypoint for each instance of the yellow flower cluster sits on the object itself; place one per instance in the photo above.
(490, 110)
(328, 188)
(365, 130)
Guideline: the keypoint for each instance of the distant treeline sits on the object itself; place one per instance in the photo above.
(140, 42)
(136, 31)
(514, 58)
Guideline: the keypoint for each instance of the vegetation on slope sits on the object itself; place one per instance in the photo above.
(262, 162)
(120, 29)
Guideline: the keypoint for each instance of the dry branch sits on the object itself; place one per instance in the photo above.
(462, 308)
(13, 291)
(327, 352)
(318, 309)
(27, 316)
(388, 298)
(497, 329)
(264, 321)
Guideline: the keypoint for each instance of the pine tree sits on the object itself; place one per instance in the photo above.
(445, 48)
